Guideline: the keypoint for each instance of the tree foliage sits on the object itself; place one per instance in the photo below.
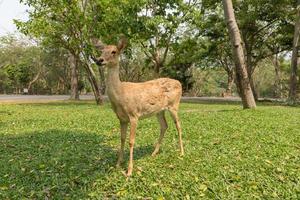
(25, 63)
(166, 38)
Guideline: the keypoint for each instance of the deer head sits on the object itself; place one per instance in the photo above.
(110, 53)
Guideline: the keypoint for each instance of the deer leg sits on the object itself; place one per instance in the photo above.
(133, 124)
(175, 117)
(163, 127)
(124, 126)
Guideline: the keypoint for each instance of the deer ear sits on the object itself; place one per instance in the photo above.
(122, 43)
(97, 43)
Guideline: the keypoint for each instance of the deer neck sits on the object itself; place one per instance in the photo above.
(113, 83)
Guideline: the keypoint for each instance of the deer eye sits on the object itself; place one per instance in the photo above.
(113, 52)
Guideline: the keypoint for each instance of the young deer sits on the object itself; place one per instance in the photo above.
(134, 101)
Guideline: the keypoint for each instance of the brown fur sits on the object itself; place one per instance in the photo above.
(134, 101)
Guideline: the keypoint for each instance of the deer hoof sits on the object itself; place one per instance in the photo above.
(156, 150)
(129, 172)
(154, 153)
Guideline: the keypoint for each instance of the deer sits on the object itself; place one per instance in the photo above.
(133, 101)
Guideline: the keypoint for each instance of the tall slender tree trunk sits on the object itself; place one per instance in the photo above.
(74, 77)
(157, 66)
(277, 84)
(230, 81)
(250, 68)
(36, 78)
(294, 61)
(228, 67)
(253, 88)
(158, 63)
(94, 84)
(238, 54)
(102, 80)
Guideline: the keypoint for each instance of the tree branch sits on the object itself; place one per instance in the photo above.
(262, 28)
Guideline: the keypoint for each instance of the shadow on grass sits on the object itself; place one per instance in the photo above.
(228, 110)
(211, 102)
(3, 112)
(258, 103)
(210, 111)
(56, 164)
(62, 103)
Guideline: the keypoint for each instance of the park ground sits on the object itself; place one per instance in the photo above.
(67, 150)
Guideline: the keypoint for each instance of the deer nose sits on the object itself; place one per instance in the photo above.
(100, 61)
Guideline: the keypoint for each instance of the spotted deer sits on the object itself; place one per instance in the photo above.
(134, 101)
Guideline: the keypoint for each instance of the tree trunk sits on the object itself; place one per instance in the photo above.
(32, 82)
(294, 60)
(93, 81)
(238, 84)
(250, 69)
(36, 78)
(102, 80)
(238, 54)
(158, 63)
(230, 81)
(74, 77)
(101, 76)
(253, 88)
(277, 84)
(228, 67)
(157, 66)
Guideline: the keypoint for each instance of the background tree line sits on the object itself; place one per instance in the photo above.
(183, 39)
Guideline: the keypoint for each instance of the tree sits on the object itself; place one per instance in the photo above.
(264, 26)
(151, 25)
(278, 82)
(218, 53)
(26, 63)
(74, 77)
(184, 55)
(163, 21)
(66, 25)
(294, 60)
(21, 61)
(238, 54)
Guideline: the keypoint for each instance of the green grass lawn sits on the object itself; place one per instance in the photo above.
(68, 151)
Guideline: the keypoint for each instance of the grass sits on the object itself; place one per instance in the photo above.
(68, 151)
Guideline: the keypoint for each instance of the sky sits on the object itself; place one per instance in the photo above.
(9, 10)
